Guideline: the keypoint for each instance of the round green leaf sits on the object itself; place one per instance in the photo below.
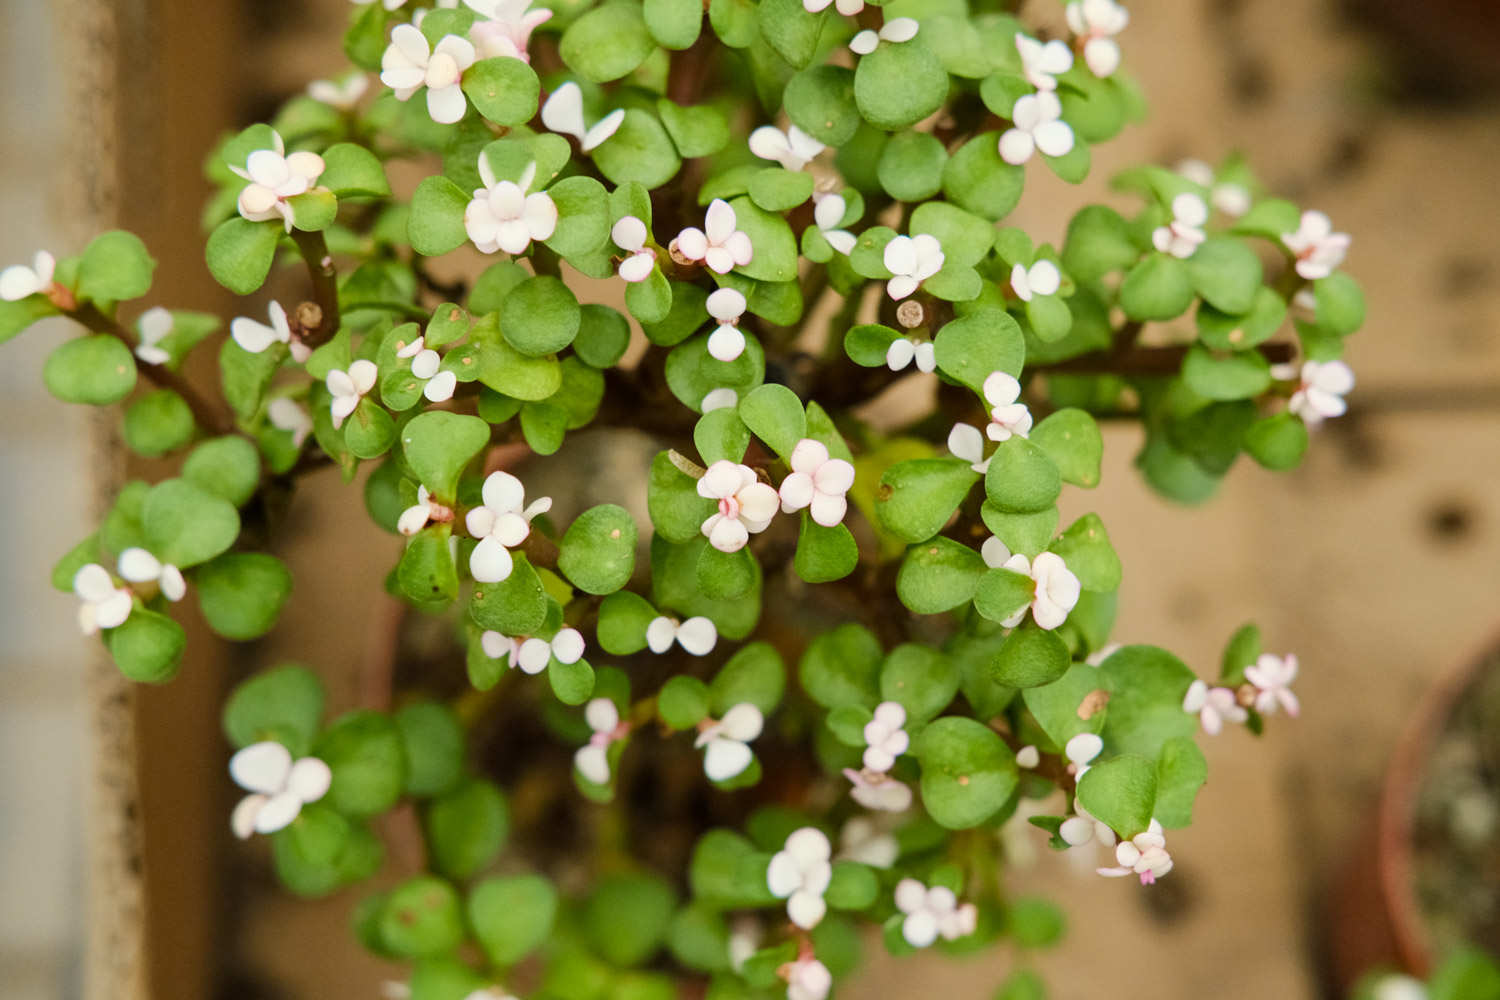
(1021, 478)
(434, 742)
(242, 593)
(147, 647)
(1098, 242)
(840, 667)
(754, 675)
(692, 372)
(1277, 442)
(1158, 288)
(1002, 592)
(779, 190)
(775, 415)
(1120, 793)
(503, 90)
(1242, 375)
(438, 445)
(466, 828)
(682, 702)
(95, 370)
(640, 150)
(938, 575)
(790, 29)
(157, 423)
(824, 554)
(1222, 331)
(352, 170)
(971, 348)
(369, 431)
(603, 336)
(1146, 686)
(597, 554)
(1086, 549)
(920, 678)
(968, 773)
(284, 704)
(977, 180)
(911, 166)
(421, 918)
(898, 85)
(775, 257)
(917, 497)
(186, 525)
(115, 267)
(435, 224)
(1071, 438)
(1340, 304)
(820, 101)
(696, 131)
(674, 24)
(228, 466)
(240, 252)
(540, 316)
(607, 43)
(1180, 771)
(626, 917)
(511, 916)
(1225, 273)
(363, 749)
(1031, 657)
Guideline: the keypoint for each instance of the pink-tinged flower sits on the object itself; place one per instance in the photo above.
(1182, 236)
(416, 517)
(630, 234)
(502, 216)
(932, 912)
(1213, 706)
(719, 245)
(878, 791)
(1144, 855)
(846, 7)
(592, 759)
(341, 95)
(1037, 121)
(865, 841)
(1056, 594)
(255, 336)
(500, 524)
(348, 388)
(799, 873)
(278, 787)
(563, 113)
(746, 505)
(911, 261)
(806, 977)
(726, 306)
(1228, 197)
(1008, 417)
(507, 32)
(274, 178)
(727, 752)
(1095, 23)
(409, 64)
(885, 737)
(286, 415)
(1318, 249)
(817, 482)
(1272, 677)
(1041, 63)
(104, 605)
(19, 281)
(1083, 829)
(793, 149)
(1324, 384)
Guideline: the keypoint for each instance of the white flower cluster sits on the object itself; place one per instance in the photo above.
(1270, 678)
(107, 606)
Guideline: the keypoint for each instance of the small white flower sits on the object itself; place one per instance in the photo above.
(719, 245)
(1008, 417)
(409, 64)
(793, 149)
(1184, 233)
(896, 30)
(1037, 125)
(1081, 751)
(828, 212)
(728, 752)
(864, 841)
(425, 365)
(274, 177)
(502, 216)
(629, 234)
(878, 791)
(885, 736)
(532, 654)
(19, 281)
(846, 7)
(349, 387)
(387, 4)
(904, 350)
(726, 305)
(342, 95)
(994, 552)
(278, 787)
(719, 399)
(414, 518)
(931, 912)
(746, 505)
(255, 337)
(563, 113)
(1318, 249)
(1230, 198)
(592, 759)
(799, 873)
(1057, 589)
(1028, 757)
(487, 992)
(1083, 829)
(697, 635)
(817, 482)
(500, 524)
(139, 566)
(1399, 987)
(507, 31)
(966, 441)
(1212, 706)
(1042, 278)
(1324, 384)
(104, 605)
(1095, 23)
(285, 415)
(806, 977)
(153, 325)
(1272, 677)
(1144, 855)
(745, 936)
(1042, 63)
(911, 261)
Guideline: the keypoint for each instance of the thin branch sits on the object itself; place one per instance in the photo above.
(320, 323)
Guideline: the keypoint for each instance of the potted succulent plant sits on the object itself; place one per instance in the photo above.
(796, 692)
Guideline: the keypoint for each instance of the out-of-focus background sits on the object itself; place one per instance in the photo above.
(1378, 562)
